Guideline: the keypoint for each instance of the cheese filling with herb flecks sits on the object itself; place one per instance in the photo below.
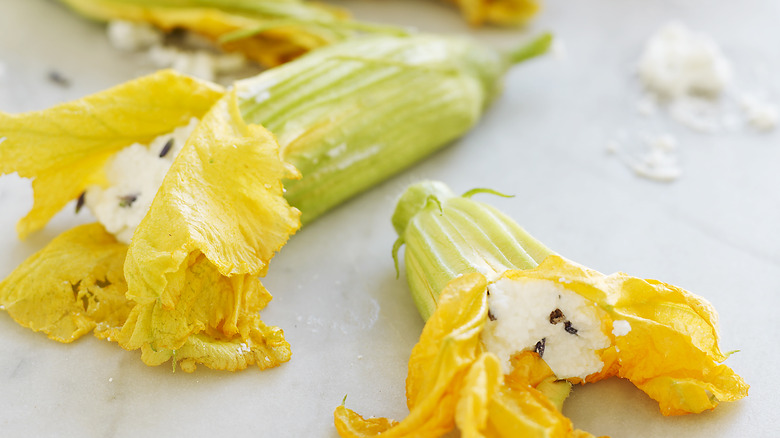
(134, 175)
(543, 316)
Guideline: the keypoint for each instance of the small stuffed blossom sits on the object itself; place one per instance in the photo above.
(510, 325)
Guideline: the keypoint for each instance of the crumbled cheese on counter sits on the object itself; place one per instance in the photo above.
(543, 316)
(697, 113)
(686, 78)
(135, 174)
(688, 74)
(659, 161)
(678, 62)
(759, 113)
(654, 158)
(621, 327)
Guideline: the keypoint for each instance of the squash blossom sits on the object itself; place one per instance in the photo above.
(160, 162)
(510, 325)
(270, 32)
(185, 287)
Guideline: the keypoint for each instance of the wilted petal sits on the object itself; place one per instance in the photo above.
(217, 220)
(73, 285)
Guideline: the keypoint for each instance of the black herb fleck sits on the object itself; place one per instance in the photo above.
(85, 301)
(126, 201)
(491, 316)
(556, 316)
(102, 283)
(80, 202)
(75, 288)
(166, 148)
(58, 79)
(569, 329)
(539, 348)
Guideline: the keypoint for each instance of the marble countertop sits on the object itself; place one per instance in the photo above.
(351, 324)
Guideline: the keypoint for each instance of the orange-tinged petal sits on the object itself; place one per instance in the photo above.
(64, 149)
(488, 407)
(438, 364)
(479, 388)
(349, 424)
(70, 287)
(529, 369)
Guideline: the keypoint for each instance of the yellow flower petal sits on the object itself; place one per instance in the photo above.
(479, 388)
(529, 369)
(264, 346)
(489, 407)
(73, 285)
(671, 351)
(193, 262)
(65, 148)
(501, 12)
(448, 346)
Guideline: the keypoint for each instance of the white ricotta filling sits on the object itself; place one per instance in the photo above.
(134, 174)
(528, 314)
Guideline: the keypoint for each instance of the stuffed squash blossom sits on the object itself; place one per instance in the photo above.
(185, 286)
(270, 32)
(514, 324)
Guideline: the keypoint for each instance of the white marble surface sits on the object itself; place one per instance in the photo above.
(350, 323)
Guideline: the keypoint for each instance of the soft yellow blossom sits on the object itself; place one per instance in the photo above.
(671, 353)
(186, 288)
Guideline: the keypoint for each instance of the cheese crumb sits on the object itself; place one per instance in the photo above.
(621, 327)
(544, 316)
(659, 162)
(655, 158)
(135, 174)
